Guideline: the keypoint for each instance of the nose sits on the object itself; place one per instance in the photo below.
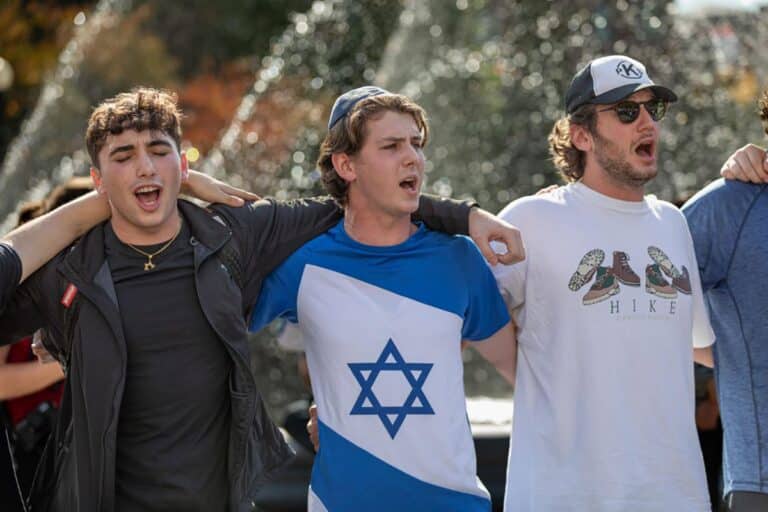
(645, 122)
(144, 164)
(412, 155)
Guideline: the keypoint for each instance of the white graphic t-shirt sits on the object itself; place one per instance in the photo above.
(609, 306)
(382, 328)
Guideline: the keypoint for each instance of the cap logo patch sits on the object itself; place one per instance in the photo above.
(627, 69)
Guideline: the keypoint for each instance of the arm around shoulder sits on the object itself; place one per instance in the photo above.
(444, 214)
(41, 239)
(466, 218)
(501, 351)
(268, 230)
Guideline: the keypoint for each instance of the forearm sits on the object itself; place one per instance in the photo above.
(40, 239)
(19, 379)
(507, 368)
(501, 351)
(704, 356)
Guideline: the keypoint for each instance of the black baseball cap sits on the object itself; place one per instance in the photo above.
(349, 99)
(611, 79)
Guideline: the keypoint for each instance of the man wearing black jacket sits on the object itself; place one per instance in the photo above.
(147, 312)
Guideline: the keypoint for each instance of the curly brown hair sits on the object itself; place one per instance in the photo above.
(569, 160)
(762, 104)
(348, 136)
(141, 109)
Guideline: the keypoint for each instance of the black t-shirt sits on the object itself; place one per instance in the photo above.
(173, 430)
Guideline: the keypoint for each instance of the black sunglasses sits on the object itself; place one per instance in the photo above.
(628, 110)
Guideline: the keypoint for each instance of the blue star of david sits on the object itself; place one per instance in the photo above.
(390, 360)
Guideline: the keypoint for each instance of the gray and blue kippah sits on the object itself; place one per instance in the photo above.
(349, 99)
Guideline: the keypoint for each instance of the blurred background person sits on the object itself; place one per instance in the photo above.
(30, 391)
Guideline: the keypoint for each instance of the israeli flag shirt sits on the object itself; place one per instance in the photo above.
(382, 328)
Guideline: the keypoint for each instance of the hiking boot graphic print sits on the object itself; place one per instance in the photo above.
(607, 279)
(586, 269)
(681, 280)
(604, 286)
(623, 271)
(655, 284)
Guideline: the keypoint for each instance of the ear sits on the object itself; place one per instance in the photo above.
(184, 167)
(344, 166)
(580, 137)
(96, 178)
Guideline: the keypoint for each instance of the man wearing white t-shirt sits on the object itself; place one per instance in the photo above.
(610, 314)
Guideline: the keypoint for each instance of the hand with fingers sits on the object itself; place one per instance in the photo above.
(211, 190)
(749, 163)
(485, 228)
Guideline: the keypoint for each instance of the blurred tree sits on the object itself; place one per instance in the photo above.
(128, 53)
(205, 36)
(32, 33)
(209, 101)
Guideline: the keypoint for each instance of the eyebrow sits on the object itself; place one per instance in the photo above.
(130, 147)
(400, 139)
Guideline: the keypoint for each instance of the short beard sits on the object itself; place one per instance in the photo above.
(617, 169)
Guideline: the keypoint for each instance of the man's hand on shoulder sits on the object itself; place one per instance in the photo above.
(211, 190)
(485, 228)
(749, 163)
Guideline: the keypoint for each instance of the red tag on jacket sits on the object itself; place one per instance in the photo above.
(69, 295)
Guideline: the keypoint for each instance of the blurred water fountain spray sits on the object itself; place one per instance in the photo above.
(333, 46)
(23, 177)
(270, 73)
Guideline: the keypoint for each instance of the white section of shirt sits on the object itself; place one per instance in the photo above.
(345, 320)
(313, 502)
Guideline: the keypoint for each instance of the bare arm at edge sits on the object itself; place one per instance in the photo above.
(41, 239)
(20, 379)
(704, 356)
(501, 351)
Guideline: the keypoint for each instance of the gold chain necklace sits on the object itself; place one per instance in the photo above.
(149, 265)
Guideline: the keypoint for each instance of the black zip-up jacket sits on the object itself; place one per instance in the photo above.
(85, 332)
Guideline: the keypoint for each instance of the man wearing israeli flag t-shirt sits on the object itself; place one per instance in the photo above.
(383, 306)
